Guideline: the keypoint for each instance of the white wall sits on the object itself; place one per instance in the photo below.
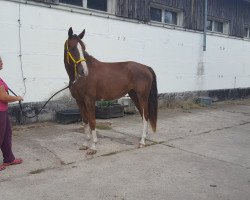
(175, 55)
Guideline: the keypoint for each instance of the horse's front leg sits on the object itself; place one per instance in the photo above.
(92, 149)
(92, 124)
(85, 123)
(86, 142)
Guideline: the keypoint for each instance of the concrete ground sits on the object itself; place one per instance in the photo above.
(196, 154)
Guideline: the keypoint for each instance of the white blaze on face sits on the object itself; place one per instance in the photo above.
(85, 68)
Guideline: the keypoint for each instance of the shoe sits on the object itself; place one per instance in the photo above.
(2, 167)
(14, 162)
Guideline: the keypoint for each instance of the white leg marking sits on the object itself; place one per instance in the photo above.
(145, 131)
(85, 68)
(94, 140)
(87, 137)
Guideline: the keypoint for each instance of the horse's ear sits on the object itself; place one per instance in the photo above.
(70, 32)
(81, 34)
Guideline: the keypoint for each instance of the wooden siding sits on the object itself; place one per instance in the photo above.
(133, 9)
(236, 12)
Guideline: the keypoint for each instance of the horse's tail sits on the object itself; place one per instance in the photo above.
(153, 102)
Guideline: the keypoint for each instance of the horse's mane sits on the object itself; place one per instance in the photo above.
(89, 59)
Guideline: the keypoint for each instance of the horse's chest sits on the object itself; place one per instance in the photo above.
(75, 93)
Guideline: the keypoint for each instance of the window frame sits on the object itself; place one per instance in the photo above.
(46, 1)
(225, 26)
(164, 9)
(98, 9)
(173, 15)
(248, 32)
(111, 6)
(72, 4)
(160, 13)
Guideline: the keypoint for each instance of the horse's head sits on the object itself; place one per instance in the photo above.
(74, 60)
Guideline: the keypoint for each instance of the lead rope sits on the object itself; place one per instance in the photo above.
(75, 63)
(20, 104)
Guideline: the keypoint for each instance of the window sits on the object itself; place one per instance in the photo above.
(156, 14)
(170, 17)
(72, 2)
(97, 5)
(217, 26)
(101, 5)
(167, 16)
(209, 25)
(47, 1)
(247, 32)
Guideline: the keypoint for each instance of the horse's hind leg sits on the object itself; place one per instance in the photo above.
(141, 103)
(143, 100)
(85, 123)
(145, 127)
(132, 94)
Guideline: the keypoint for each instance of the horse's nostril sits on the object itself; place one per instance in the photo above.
(82, 72)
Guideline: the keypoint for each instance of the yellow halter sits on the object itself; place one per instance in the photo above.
(72, 58)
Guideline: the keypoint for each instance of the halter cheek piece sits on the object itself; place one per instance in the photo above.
(69, 55)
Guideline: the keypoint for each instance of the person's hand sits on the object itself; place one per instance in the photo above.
(19, 98)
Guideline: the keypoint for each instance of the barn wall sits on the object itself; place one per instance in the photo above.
(175, 54)
(237, 12)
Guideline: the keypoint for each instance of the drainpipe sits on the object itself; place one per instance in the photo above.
(205, 26)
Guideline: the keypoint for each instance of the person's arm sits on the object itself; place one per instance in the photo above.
(5, 97)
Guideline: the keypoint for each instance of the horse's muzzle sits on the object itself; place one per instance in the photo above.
(81, 73)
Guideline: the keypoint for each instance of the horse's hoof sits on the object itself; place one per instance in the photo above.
(91, 152)
(141, 145)
(83, 147)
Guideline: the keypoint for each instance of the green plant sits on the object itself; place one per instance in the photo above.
(104, 103)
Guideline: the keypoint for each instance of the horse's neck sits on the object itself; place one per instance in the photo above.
(89, 58)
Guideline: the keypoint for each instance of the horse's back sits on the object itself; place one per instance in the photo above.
(116, 79)
(128, 71)
(140, 73)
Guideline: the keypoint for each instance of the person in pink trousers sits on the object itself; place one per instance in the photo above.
(5, 126)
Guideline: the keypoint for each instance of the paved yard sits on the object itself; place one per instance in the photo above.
(196, 154)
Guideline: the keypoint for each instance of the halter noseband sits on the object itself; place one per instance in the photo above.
(72, 58)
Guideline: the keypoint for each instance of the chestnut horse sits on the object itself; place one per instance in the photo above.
(91, 80)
